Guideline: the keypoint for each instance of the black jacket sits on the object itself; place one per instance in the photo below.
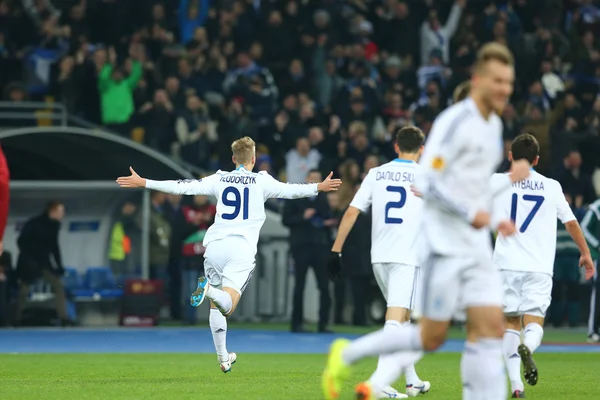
(39, 240)
(307, 231)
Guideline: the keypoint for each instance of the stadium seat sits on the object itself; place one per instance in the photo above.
(71, 279)
(101, 281)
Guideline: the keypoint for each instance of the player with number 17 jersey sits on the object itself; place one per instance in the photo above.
(534, 204)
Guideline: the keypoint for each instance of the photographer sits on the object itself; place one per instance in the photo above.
(38, 243)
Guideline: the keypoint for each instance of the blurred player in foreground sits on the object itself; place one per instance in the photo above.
(463, 151)
(396, 215)
(231, 241)
(526, 259)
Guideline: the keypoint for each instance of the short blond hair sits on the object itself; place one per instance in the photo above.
(461, 92)
(243, 150)
(493, 52)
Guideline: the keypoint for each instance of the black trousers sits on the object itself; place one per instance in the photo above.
(306, 256)
(359, 289)
(594, 320)
(175, 287)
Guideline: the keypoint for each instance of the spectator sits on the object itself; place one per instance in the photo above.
(309, 221)
(40, 10)
(201, 215)
(356, 256)
(565, 287)
(435, 36)
(192, 143)
(296, 81)
(591, 229)
(578, 187)
(40, 257)
(174, 213)
(116, 93)
(300, 161)
(123, 229)
(277, 41)
(350, 174)
(191, 16)
(434, 70)
(158, 120)
(160, 238)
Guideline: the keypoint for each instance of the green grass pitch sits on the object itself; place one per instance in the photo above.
(254, 377)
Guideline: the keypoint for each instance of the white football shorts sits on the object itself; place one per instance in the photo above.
(526, 293)
(398, 283)
(452, 283)
(229, 262)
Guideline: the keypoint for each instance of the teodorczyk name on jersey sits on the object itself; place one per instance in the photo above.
(244, 180)
(529, 185)
(395, 176)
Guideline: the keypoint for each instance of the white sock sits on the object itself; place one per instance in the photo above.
(510, 344)
(220, 298)
(392, 368)
(533, 336)
(389, 366)
(403, 338)
(483, 372)
(410, 374)
(218, 328)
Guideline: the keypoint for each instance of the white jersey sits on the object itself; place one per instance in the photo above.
(462, 151)
(534, 205)
(396, 212)
(241, 197)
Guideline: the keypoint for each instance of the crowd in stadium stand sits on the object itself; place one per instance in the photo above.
(317, 83)
(187, 77)
(314, 82)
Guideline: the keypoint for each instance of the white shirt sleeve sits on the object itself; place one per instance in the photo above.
(364, 197)
(431, 181)
(279, 190)
(563, 210)
(185, 186)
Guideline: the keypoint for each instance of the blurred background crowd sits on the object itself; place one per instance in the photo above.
(320, 85)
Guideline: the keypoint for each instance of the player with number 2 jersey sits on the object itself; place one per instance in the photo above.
(395, 250)
(231, 241)
(526, 259)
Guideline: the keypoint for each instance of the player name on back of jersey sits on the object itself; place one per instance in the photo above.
(243, 179)
(395, 176)
(529, 185)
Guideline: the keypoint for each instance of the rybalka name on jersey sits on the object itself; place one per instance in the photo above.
(529, 185)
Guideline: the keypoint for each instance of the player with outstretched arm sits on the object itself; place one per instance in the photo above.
(231, 242)
(526, 259)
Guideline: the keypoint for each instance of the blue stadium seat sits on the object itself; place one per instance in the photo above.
(101, 281)
(71, 279)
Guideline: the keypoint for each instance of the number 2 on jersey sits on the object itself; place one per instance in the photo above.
(527, 197)
(395, 204)
(238, 203)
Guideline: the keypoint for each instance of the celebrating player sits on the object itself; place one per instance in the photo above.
(396, 214)
(231, 241)
(526, 259)
(463, 151)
